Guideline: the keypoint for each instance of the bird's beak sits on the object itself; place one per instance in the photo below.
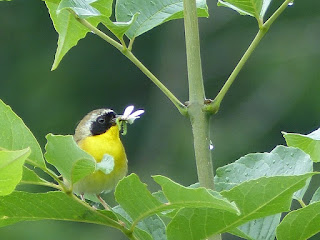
(114, 121)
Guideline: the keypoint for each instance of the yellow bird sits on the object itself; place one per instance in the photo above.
(98, 134)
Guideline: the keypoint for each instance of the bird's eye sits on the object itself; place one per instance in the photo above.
(101, 120)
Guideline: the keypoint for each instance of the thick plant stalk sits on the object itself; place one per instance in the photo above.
(198, 117)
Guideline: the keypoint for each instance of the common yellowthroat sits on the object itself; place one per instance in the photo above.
(98, 134)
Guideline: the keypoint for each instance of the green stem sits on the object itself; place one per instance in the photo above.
(214, 106)
(302, 203)
(46, 184)
(196, 88)
(99, 33)
(182, 108)
(131, 44)
(276, 14)
(217, 101)
(50, 173)
(110, 222)
(126, 51)
(199, 118)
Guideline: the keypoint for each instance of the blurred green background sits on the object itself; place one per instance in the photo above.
(278, 90)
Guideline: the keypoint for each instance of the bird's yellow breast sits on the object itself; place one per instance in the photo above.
(98, 145)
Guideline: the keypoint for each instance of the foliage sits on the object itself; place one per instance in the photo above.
(253, 188)
(249, 194)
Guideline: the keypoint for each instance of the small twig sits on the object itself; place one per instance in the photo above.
(127, 52)
(131, 44)
(302, 203)
(263, 29)
(103, 202)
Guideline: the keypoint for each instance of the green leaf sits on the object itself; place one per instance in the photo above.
(71, 161)
(82, 8)
(254, 8)
(69, 29)
(11, 163)
(134, 197)
(300, 224)
(139, 203)
(30, 177)
(255, 199)
(193, 197)
(283, 161)
(261, 229)
(23, 206)
(119, 28)
(16, 136)
(155, 226)
(308, 143)
(241, 234)
(152, 13)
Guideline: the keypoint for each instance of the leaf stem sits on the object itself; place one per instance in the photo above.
(276, 14)
(131, 44)
(127, 52)
(46, 184)
(110, 222)
(182, 108)
(50, 173)
(263, 29)
(217, 101)
(99, 33)
(302, 203)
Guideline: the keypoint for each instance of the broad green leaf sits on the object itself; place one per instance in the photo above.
(240, 234)
(23, 206)
(193, 197)
(254, 8)
(300, 224)
(255, 199)
(69, 29)
(265, 196)
(283, 161)
(316, 196)
(71, 161)
(308, 143)
(260, 229)
(119, 28)
(30, 177)
(152, 13)
(155, 226)
(11, 165)
(16, 136)
(134, 197)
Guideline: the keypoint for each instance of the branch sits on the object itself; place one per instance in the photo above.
(213, 107)
(127, 52)
(182, 108)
